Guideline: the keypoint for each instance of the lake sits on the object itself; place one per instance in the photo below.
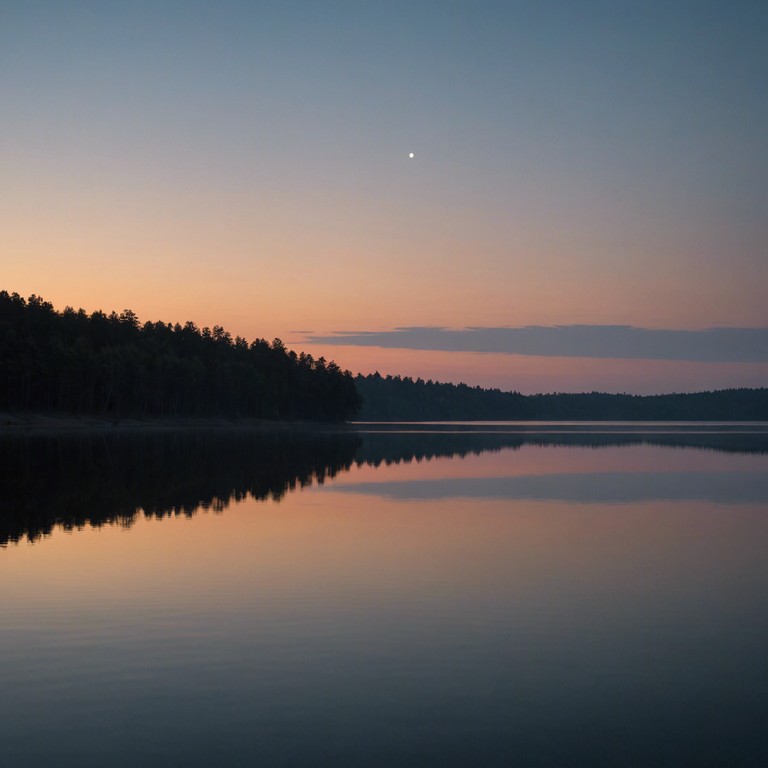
(386, 595)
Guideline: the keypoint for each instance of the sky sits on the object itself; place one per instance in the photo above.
(586, 208)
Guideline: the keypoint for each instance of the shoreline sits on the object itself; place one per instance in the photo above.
(26, 424)
(41, 423)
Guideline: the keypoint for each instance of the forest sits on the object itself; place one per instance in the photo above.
(113, 365)
(392, 398)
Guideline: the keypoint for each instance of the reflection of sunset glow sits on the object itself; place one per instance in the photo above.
(353, 599)
(546, 460)
(271, 524)
(331, 547)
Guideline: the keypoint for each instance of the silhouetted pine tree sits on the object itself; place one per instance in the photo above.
(74, 362)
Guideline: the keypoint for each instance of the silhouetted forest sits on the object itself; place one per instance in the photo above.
(393, 398)
(114, 365)
(72, 480)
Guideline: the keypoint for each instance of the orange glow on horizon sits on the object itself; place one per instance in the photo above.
(286, 311)
(336, 547)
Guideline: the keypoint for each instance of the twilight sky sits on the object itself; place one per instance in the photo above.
(590, 179)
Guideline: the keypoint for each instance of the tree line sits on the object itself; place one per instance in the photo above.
(394, 398)
(111, 364)
(115, 366)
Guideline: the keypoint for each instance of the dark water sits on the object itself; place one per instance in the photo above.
(477, 595)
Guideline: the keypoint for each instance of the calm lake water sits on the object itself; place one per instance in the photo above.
(401, 595)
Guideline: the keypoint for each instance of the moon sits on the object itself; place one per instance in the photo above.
(410, 154)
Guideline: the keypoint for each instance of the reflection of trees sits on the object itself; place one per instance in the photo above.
(75, 480)
(390, 446)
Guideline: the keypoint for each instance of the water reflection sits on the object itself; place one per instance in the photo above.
(388, 442)
(592, 488)
(532, 600)
(71, 481)
(99, 478)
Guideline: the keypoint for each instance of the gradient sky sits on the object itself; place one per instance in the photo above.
(576, 164)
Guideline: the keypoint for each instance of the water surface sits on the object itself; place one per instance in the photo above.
(410, 595)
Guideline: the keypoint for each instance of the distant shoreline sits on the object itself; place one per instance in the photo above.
(47, 423)
(403, 399)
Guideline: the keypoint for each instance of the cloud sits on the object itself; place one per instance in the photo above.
(711, 345)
